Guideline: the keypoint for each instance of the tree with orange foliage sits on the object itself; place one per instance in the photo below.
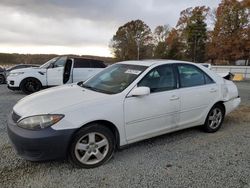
(230, 39)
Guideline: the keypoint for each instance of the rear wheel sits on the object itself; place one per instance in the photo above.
(30, 85)
(92, 146)
(2, 79)
(214, 119)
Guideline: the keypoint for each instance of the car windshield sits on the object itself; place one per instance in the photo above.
(113, 79)
(47, 64)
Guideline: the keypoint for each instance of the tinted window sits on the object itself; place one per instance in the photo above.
(97, 64)
(81, 63)
(161, 78)
(192, 76)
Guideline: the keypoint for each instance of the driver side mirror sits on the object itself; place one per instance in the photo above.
(139, 91)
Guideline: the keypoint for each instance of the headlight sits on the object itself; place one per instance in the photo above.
(15, 73)
(40, 121)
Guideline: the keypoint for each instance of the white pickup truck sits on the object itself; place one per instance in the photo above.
(57, 71)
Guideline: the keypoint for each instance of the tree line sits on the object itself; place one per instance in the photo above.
(8, 59)
(219, 36)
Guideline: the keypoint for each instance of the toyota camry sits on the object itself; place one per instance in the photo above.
(127, 102)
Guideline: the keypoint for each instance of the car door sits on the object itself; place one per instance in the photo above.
(157, 112)
(82, 69)
(55, 72)
(197, 92)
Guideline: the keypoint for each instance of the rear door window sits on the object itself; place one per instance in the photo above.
(97, 64)
(81, 63)
(191, 75)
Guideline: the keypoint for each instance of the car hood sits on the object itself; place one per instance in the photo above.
(30, 69)
(53, 99)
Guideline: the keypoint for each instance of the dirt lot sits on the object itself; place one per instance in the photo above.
(188, 158)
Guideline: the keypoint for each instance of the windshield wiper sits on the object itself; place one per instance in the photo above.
(84, 86)
(93, 88)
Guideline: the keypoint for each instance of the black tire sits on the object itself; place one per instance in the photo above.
(2, 79)
(30, 85)
(214, 119)
(83, 137)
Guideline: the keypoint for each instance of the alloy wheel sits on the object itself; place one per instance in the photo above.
(215, 118)
(91, 148)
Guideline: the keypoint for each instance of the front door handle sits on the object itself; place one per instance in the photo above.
(174, 97)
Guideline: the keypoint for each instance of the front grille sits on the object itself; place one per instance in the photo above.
(15, 116)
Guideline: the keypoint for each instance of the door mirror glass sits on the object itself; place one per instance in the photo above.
(139, 91)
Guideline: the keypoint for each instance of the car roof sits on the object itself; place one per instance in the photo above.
(88, 59)
(152, 62)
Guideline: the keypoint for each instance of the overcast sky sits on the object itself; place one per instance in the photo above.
(79, 26)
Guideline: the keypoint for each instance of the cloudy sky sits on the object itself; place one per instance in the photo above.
(79, 26)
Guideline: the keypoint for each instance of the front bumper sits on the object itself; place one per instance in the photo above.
(13, 88)
(45, 144)
(14, 81)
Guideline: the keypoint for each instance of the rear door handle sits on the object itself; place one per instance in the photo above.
(174, 97)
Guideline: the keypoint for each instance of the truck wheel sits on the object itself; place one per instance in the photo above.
(92, 146)
(2, 79)
(30, 85)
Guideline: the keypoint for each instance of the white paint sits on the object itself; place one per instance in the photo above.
(51, 76)
(136, 118)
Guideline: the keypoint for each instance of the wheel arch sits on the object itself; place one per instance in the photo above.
(107, 124)
(221, 103)
(30, 77)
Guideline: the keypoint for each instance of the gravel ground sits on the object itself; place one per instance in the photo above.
(188, 158)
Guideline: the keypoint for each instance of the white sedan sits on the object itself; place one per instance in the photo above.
(125, 103)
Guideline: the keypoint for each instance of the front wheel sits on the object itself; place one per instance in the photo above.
(214, 119)
(92, 146)
(30, 85)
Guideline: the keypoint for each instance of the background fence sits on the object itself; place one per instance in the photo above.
(244, 70)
